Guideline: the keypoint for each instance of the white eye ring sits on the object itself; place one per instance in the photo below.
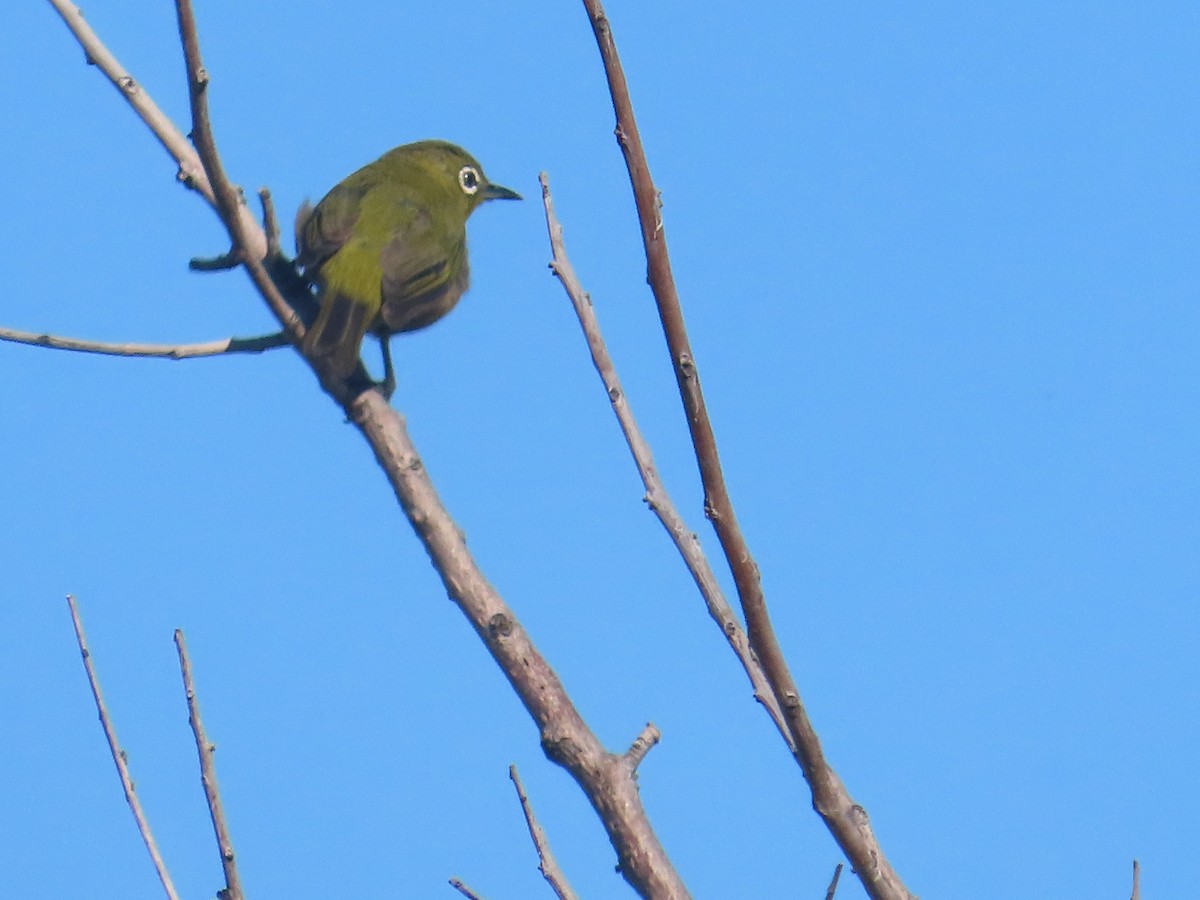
(468, 179)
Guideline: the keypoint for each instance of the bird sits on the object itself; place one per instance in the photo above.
(386, 249)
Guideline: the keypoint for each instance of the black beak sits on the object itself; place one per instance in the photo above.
(496, 192)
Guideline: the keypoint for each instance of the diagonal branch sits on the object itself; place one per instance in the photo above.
(845, 819)
(195, 168)
(191, 171)
(833, 882)
(249, 239)
(547, 864)
(459, 886)
(208, 776)
(118, 755)
(607, 779)
(656, 497)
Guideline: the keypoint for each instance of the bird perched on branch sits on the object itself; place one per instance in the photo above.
(387, 249)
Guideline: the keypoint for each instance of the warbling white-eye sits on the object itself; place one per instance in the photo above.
(387, 249)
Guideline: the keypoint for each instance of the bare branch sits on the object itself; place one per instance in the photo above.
(642, 745)
(846, 820)
(249, 241)
(164, 351)
(464, 890)
(605, 778)
(208, 776)
(118, 755)
(547, 864)
(656, 498)
(191, 171)
(837, 874)
(251, 244)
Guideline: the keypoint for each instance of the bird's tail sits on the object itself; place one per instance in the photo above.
(337, 334)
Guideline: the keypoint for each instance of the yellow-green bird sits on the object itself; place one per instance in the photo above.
(387, 249)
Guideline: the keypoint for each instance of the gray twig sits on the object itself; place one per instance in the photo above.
(119, 757)
(164, 351)
(208, 775)
(547, 864)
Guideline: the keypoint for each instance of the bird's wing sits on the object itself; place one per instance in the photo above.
(424, 271)
(322, 230)
(347, 307)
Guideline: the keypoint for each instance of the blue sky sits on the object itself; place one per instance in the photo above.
(941, 274)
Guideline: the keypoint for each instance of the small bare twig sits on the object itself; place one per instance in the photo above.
(656, 498)
(208, 776)
(837, 874)
(164, 351)
(118, 755)
(464, 890)
(846, 820)
(1137, 881)
(547, 864)
(642, 745)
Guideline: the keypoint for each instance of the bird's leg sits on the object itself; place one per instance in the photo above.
(388, 385)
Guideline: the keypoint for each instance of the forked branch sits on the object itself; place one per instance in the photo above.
(606, 778)
(657, 497)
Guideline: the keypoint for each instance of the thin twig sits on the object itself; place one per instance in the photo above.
(118, 755)
(657, 497)
(208, 775)
(846, 820)
(164, 351)
(249, 241)
(547, 864)
(1137, 881)
(464, 890)
(837, 874)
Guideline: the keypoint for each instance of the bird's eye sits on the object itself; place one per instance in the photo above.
(468, 179)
